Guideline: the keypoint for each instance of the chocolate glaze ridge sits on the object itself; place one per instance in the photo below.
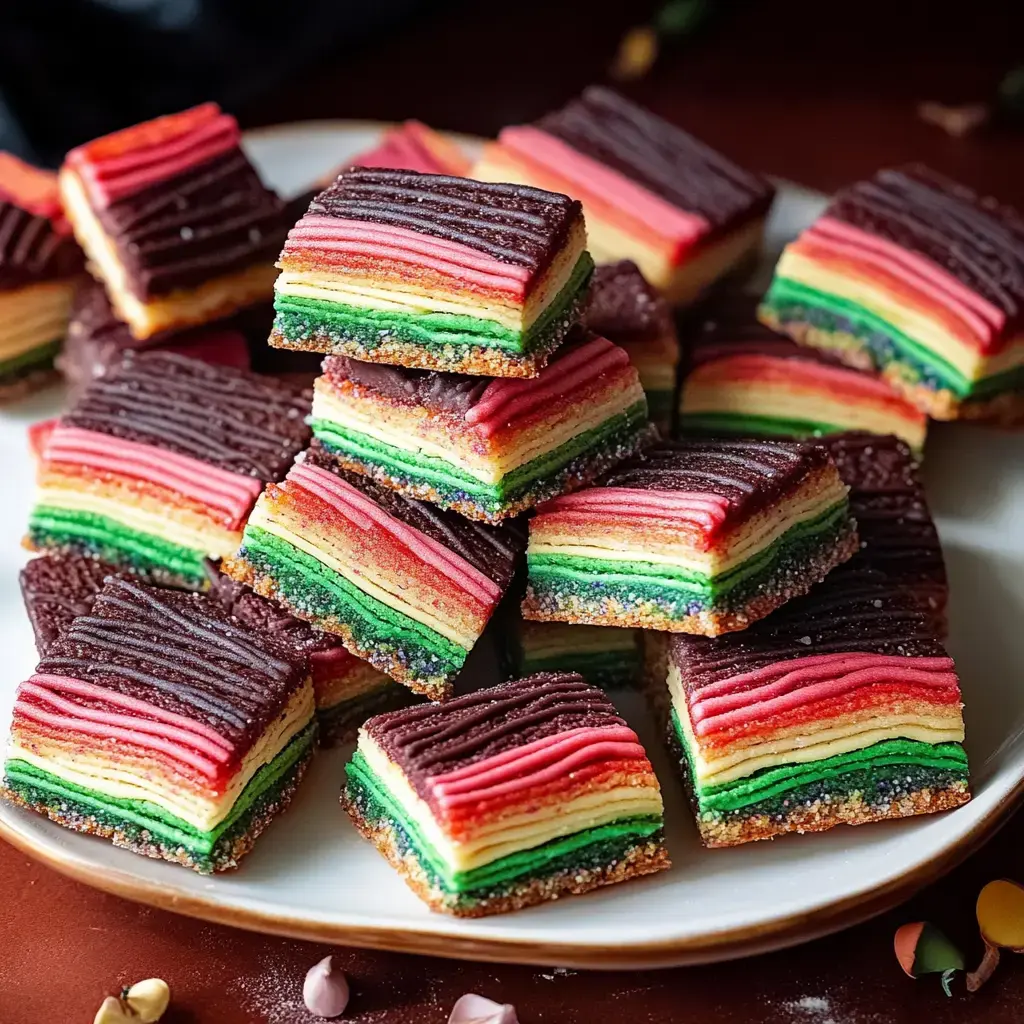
(751, 474)
(232, 419)
(662, 158)
(58, 588)
(32, 251)
(977, 240)
(515, 224)
(429, 740)
(182, 653)
(213, 219)
(850, 612)
(623, 307)
(493, 550)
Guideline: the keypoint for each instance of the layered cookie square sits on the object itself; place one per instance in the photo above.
(489, 448)
(524, 792)
(157, 465)
(743, 379)
(414, 146)
(605, 656)
(406, 586)
(40, 265)
(897, 535)
(97, 340)
(841, 708)
(159, 722)
(433, 271)
(174, 219)
(915, 276)
(624, 308)
(346, 689)
(653, 194)
(697, 536)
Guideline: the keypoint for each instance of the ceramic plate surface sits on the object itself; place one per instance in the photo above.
(312, 876)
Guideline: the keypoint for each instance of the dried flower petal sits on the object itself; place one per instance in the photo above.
(325, 990)
(474, 1009)
(1000, 912)
(922, 949)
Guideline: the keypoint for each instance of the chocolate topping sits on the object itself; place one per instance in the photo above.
(181, 653)
(213, 219)
(623, 307)
(494, 550)
(977, 240)
(429, 740)
(56, 589)
(750, 474)
(232, 419)
(851, 611)
(659, 156)
(31, 251)
(512, 223)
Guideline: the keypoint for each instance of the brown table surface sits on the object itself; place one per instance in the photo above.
(776, 85)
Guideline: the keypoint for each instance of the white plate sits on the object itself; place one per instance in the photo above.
(312, 876)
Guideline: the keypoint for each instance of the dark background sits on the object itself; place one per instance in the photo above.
(817, 92)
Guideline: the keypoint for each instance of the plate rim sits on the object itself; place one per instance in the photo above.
(723, 944)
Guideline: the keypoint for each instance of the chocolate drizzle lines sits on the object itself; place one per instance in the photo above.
(232, 419)
(493, 550)
(659, 156)
(430, 740)
(182, 653)
(623, 307)
(31, 251)
(975, 239)
(750, 474)
(515, 224)
(214, 219)
(852, 612)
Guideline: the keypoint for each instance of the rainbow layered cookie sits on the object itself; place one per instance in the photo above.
(744, 379)
(605, 656)
(347, 690)
(624, 308)
(897, 535)
(40, 265)
(684, 214)
(917, 277)
(405, 585)
(57, 589)
(159, 722)
(841, 708)
(97, 340)
(413, 146)
(525, 792)
(693, 536)
(174, 219)
(489, 448)
(157, 465)
(433, 271)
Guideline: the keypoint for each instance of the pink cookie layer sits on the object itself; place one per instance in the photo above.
(205, 133)
(406, 149)
(774, 689)
(683, 229)
(231, 493)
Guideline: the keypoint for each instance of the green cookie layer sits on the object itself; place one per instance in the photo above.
(607, 669)
(299, 319)
(678, 592)
(145, 822)
(383, 635)
(102, 537)
(747, 425)
(588, 849)
(38, 358)
(542, 477)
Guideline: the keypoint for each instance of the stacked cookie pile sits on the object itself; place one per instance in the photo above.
(625, 473)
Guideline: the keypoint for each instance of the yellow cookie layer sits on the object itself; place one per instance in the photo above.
(645, 544)
(99, 767)
(839, 737)
(212, 300)
(523, 831)
(336, 555)
(356, 682)
(544, 639)
(33, 316)
(913, 321)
